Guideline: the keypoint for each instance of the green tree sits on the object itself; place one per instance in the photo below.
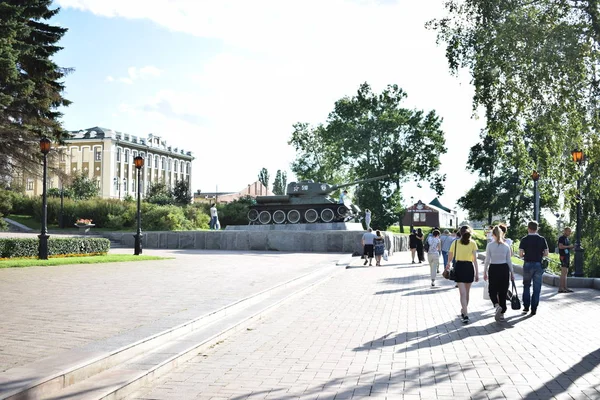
(280, 183)
(159, 193)
(181, 193)
(82, 188)
(371, 134)
(263, 177)
(31, 84)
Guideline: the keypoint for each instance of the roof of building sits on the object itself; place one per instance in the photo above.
(436, 203)
(152, 141)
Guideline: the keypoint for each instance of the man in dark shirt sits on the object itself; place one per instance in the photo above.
(564, 250)
(532, 249)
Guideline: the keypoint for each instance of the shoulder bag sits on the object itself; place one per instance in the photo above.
(450, 273)
(513, 296)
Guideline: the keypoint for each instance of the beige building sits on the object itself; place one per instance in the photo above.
(106, 157)
(253, 190)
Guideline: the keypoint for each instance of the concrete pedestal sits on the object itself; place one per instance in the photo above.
(331, 226)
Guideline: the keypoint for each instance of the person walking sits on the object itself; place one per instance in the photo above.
(532, 249)
(368, 218)
(446, 239)
(214, 216)
(433, 254)
(412, 244)
(378, 247)
(466, 268)
(367, 242)
(497, 270)
(564, 251)
(420, 246)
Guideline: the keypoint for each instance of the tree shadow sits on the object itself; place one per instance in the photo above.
(417, 292)
(443, 334)
(395, 384)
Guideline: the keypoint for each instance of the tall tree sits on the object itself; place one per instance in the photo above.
(535, 68)
(371, 134)
(279, 185)
(31, 84)
(263, 177)
(181, 193)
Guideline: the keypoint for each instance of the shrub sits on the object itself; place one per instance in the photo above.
(6, 202)
(3, 223)
(165, 218)
(235, 213)
(196, 214)
(26, 247)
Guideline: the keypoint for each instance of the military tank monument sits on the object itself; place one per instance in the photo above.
(307, 202)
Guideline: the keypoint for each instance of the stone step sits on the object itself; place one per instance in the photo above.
(116, 373)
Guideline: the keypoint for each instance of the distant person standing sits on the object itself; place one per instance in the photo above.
(564, 251)
(420, 245)
(214, 216)
(343, 196)
(368, 218)
(412, 244)
(533, 248)
(368, 240)
(433, 254)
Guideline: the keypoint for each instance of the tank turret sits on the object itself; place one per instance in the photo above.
(305, 202)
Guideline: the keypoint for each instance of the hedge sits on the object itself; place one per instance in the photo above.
(26, 247)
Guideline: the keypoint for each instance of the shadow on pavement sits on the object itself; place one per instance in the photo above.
(371, 383)
(418, 291)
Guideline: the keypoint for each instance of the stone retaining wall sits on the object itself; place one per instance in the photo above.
(315, 241)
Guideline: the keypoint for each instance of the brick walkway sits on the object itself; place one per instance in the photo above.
(385, 333)
(44, 311)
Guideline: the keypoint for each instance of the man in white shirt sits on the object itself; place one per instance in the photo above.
(213, 217)
(367, 242)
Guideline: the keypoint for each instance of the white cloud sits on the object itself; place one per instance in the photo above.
(288, 61)
(134, 74)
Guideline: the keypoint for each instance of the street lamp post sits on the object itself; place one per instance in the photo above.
(578, 158)
(45, 145)
(139, 163)
(61, 223)
(536, 193)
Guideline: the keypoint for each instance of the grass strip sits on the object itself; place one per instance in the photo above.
(109, 258)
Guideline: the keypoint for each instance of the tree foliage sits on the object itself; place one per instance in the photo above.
(159, 193)
(371, 134)
(263, 177)
(82, 188)
(280, 183)
(30, 82)
(534, 66)
(181, 193)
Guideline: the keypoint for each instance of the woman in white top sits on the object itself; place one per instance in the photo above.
(433, 254)
(497, 268)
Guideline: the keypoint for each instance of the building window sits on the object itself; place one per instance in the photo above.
(126, 156)
(149, 161)
(164, 163)
(118, 154)
(133, 185)
(29, 184)
(181, 167)
(169, 165)
(419, 217)
(156, 162)
(187, 168)
(175, 165)
(63, 157)
(125, 184)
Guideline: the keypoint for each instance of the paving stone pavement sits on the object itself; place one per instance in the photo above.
(383, 332)
(46, 310)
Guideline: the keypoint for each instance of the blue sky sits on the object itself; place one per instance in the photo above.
(227, 79)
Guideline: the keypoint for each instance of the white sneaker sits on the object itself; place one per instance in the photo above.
(502, 317)
(498, 315)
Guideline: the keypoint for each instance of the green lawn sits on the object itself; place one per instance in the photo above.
(28, 221)
(28, 262)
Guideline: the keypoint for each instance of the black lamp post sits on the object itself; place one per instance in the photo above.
(578, 158)
(536, 195)
(139, 163)
(45, 145)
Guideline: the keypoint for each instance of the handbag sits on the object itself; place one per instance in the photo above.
(513, 296)
(450, 273)
(385, 255)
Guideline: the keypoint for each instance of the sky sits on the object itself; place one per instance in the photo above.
(227, 79)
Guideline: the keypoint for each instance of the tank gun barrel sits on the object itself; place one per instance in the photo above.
(343, 185)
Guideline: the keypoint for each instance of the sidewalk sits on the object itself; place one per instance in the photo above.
(48, 310)
(383, 332)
